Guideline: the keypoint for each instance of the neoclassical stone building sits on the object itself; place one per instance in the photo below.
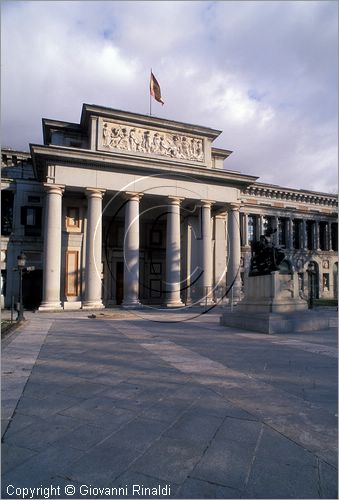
(129, 209)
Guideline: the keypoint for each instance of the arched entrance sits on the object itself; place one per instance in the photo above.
(335, 280)
(313, 279)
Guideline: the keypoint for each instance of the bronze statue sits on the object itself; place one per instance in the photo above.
(266, 257)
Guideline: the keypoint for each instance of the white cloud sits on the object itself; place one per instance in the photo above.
(263, 72)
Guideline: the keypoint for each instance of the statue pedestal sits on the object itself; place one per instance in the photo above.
(272, 305)
(273, 292)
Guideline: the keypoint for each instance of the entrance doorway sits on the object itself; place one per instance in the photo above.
(119, 292)
(335, 280)
(313, 281)
(32, 289)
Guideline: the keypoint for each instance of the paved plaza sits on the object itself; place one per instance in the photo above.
(157, 404)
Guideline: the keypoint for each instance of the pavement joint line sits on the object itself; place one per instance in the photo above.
(250, 467)
(207, 447)
(150, 445)
(298, 344)
(187, 357)
(320, 494)
(20, 377)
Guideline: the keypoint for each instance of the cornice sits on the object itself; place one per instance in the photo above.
(150, 121)
(85, 157)
(271, 192)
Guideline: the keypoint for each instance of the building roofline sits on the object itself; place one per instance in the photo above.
(142, 119)
(48, 123)
(275, 187)
(222, 153)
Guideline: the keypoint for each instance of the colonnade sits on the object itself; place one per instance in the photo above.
(93, 245)
(304, 241)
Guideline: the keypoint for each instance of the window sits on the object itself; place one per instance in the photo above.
(301, 281)
(7, 198)
(334, 236)
(73, 217)
(251, 228)
(309, 230)
(266, 224)
(326, 282)
(282, 231)
(322, 235)
(296, 234)
(31, 218)
(156, 237)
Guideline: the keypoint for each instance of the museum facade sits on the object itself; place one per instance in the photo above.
(134, 210)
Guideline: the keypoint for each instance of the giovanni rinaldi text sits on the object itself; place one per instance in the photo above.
(134, 490)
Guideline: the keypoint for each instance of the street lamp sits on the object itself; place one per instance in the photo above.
(311, 273)
(21, 267)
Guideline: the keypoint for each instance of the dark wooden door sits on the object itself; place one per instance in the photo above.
(120, 282)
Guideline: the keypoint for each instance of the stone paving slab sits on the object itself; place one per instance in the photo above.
(202, 410)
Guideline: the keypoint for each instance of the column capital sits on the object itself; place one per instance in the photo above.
(133, 195)
(94, 192)
(175, 200)
(234, 207)
(54, 188)
(221, 215)
(206, 203)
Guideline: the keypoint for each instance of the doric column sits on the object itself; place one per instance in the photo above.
(245, 230)
(275, 225)
(173, 257)
(206, 253)
(220, 246)
(304, 234)
(131, 251)
(289, 243)
(316, 236)
(259, 227)
(52, 248)
(329, 238)
(93, 284)
(188, 267)
(234, 253)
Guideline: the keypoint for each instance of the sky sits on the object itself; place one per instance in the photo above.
(263, 72)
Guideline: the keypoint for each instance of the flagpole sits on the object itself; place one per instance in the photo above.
(150, 97)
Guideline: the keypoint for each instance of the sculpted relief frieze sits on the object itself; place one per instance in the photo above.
(139, 140)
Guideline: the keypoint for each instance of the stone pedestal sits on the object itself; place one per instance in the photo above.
(272, 305)
(272, 293)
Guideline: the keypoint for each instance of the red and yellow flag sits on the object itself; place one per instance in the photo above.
(155, 89)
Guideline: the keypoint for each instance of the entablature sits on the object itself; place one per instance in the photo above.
(43, 156)
(263, 192)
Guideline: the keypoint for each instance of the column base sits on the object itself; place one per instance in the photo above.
(89, 304)
(172, 305)
(132, 305)
(208, 302)
(50, 306)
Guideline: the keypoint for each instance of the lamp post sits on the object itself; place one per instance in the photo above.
(311, 273)
(21, 266)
